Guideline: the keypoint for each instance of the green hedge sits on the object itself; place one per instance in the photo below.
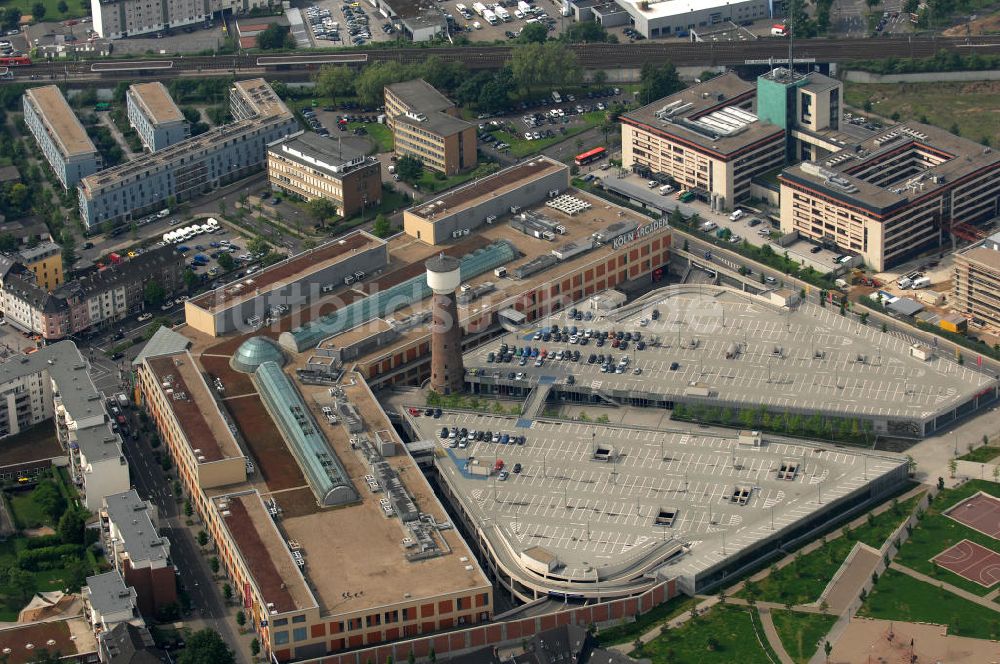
(35, 560)
(844, 429)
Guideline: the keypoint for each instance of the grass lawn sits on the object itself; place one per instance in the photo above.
(801, 633)
(982, 454)
(519, 147)
(805, 578)
(27, 512)
(626, 632)
(74, 9)
(724, 635)
(936, 532)
(430, 181)
(379, 134)
(897, 596)
(972, 106)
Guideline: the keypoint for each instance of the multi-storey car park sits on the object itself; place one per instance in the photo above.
(154, 116)
(560, 246)
(589, 512)
(714, 346)
(59, 134)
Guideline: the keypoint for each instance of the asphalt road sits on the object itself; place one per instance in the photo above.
(208, 609)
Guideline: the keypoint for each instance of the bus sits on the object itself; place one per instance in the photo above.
(590, 156)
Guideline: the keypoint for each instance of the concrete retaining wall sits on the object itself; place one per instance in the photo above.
(923, 77)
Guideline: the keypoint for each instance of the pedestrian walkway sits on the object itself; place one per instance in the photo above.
(846, 588)
(772, 636)
(955, 590)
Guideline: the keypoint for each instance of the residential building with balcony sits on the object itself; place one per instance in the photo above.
(60, 136)
(154, 116)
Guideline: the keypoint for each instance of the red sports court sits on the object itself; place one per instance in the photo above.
(971, 561)
(980, 512)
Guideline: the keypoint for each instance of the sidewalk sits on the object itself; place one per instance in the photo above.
(772, 636)
(955, 590)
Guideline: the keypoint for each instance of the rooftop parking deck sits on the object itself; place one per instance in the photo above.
(749, 352)
(600, 497)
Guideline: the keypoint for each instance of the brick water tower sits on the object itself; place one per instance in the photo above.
(447, 372)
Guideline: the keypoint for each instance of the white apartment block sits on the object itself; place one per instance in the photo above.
(154, 116)
(114, 19)
(59, 134)
(56, 383)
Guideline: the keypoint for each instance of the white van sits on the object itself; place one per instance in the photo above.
(736, 215)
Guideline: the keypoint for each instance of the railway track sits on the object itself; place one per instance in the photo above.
(590, 56)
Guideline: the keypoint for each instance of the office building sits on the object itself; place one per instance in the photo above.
(426, 125)
(60, 136)
(138, 552)
(894, 195)
(96, 299)
(114, 19)
(706, 138)
(976, 282)
(155, 116)
(55, 383)
(310, 166)
(659, 18)
(193, 166)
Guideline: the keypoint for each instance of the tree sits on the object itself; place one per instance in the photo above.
(206, 647)
(382, 227)
(585, 32)
(549, 64)
(153, 292)
(258, 246)
(226, 261)
(533, 33)
(241, 618)
(656, 82)
(409, 168)
(335, 81)
(22, 582)
(227, 591)
(370, 84)
(321, 209)
(38, 11)
(191, 280)
(213, 564)
(255, 647)
(188, 508)
(202, 538)
(62, 7)
(71, 526)
(275, 37)
(47, 496)
(827, 649)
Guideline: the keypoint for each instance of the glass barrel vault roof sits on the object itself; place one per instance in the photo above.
(322, 468)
